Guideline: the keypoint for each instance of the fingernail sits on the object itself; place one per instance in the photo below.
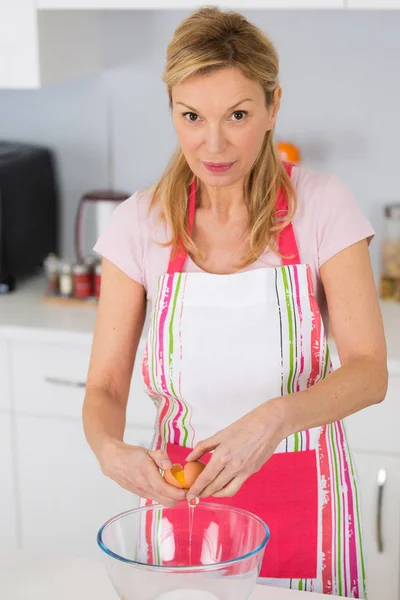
(166, 465)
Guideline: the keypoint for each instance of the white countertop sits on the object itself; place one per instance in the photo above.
(31, 576)
(24, 309)
(23, 313)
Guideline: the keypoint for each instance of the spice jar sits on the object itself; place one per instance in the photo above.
(82, 277)
(51, 268)
(97, 280)
(390, 257)
(65, 280)
(91, 262)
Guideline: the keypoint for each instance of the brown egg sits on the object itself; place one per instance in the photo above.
(191, 471)
(174, 476)
(184, 477)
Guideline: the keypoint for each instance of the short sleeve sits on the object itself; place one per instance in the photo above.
(122, 241)
(341, 223)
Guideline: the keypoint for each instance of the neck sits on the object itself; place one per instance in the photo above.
(222, 200)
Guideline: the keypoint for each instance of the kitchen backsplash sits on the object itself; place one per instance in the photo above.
(339, 72)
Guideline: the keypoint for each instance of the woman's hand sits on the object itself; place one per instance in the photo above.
(239, 451)
(137, 470)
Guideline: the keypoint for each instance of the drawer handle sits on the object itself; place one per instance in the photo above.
(65, 382)
(382, 475)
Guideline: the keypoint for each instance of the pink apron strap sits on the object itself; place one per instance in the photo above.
(286, 241)
(177, 263)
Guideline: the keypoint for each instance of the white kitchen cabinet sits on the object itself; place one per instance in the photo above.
(375, 429)
(38, 48)
(382, 562)
(8, 501)
(5, 398)
(65, 497)
(380, 4)
(242, 4)
(19, 49)
(185, 4)
(49, 379)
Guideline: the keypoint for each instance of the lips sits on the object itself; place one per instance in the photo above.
(218, 167)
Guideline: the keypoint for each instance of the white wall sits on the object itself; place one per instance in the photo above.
(341, 82)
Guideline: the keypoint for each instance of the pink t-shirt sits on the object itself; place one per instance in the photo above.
(327, 221)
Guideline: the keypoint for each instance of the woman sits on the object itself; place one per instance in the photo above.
(229, 248)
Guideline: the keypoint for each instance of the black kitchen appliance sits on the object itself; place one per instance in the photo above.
(28, 210)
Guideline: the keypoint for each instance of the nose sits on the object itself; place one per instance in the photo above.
(215, 141)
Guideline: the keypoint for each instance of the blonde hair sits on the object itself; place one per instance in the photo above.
(206, 41)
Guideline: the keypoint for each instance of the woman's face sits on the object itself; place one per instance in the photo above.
(221, 120)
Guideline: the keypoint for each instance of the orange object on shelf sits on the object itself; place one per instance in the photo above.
(289, 152)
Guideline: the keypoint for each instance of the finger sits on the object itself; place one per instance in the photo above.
(161, 459)
(162, 488)
(144, 491)
(219, 483)
(232, 488)
(164, 500)
(209, 474)
(163, 494)
(203, 447)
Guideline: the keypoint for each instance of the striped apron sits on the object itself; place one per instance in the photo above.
(218, 347)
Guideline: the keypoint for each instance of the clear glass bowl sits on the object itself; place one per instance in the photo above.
(207, 552)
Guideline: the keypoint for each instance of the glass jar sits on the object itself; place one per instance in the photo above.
(51, 268)
(390, 255)
(82, 280)
(66, 280)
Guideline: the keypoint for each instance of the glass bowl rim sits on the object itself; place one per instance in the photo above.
(183, 569)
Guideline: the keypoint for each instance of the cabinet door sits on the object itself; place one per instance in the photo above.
(8, 523)
(375, 429)
(39, 47)
(381, 523)
(18, 44)
(49, 379)
(242, 4)
(186, 4)
(65, 498)
(374, 4)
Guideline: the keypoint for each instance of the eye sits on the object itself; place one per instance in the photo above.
(191, 117)
(239, 115)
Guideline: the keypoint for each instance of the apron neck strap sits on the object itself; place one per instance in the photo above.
(286, 241)
(177, 262)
